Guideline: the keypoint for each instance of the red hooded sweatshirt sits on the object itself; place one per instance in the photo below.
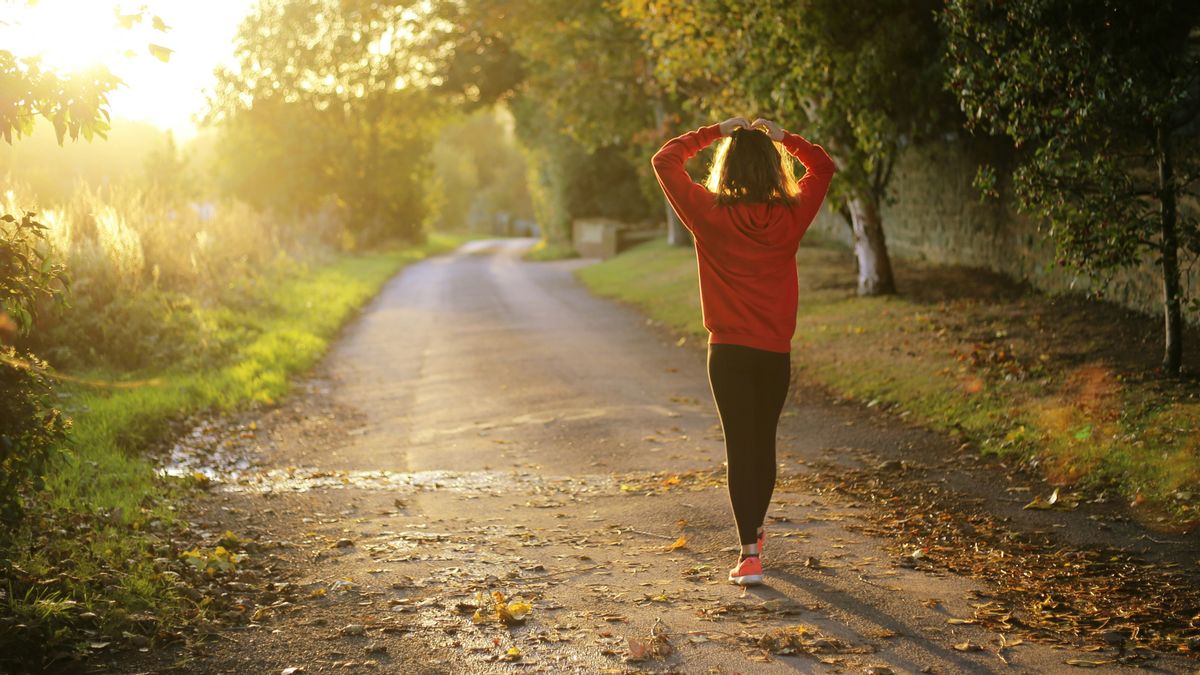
(745, 253)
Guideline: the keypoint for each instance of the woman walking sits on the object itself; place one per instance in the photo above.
(747, 222)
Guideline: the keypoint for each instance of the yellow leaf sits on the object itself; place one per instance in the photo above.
(160, 52)
(1038, 504)
(681, 542)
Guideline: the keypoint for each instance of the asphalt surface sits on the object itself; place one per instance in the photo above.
(488, 425)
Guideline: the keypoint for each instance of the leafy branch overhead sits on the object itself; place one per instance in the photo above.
(75, 102)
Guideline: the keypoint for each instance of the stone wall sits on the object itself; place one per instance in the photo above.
(936, 215)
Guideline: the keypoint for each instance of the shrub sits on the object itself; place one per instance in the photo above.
(30, 428)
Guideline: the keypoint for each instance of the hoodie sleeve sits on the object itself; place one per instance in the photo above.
(818, 172)
(690, 200)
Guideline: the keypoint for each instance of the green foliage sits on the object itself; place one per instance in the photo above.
(30, 427)
(1081, 88)
(481, 172)
(327, 101)
(862, 78)
(27, 275)
(568, 180)
(1102, 99)
(75, 103)
(579, 88)
(31, 434)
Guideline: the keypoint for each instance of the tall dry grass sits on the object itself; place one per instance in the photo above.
(150, 275)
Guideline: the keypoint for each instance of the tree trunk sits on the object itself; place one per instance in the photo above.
(844, 211)
(1173, 315)
(870, 248)
(677, 234)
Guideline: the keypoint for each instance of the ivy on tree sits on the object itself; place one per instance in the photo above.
(1102, 100)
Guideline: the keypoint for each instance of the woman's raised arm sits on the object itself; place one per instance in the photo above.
(818, 168)
(688, 198)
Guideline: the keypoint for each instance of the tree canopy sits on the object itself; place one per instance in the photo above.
(329, 101)
(863, 79)
(1102, 100)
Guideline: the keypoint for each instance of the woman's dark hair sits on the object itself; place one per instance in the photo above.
(748, 167)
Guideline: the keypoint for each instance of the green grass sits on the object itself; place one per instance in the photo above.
(545, 250)
(972, 360)
(107, 482)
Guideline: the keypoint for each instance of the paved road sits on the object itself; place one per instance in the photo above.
(487, 425)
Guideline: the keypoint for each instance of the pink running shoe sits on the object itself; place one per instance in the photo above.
(748, 572)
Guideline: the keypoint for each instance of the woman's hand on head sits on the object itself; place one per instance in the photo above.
(732, 123)
(773, 130)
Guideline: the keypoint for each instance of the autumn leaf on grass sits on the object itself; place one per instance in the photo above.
(220, 560)
(679, 543)
(229, 540)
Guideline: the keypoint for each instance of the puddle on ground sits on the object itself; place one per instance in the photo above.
(226, 451)
(216, 448)
(496, 483)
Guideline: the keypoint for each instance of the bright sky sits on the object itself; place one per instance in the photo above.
(74, 33)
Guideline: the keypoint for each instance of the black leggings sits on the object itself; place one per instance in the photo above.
(749, 386)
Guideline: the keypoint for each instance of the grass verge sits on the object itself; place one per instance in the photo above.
(545, 250)
(1066, 384)
(86, 572)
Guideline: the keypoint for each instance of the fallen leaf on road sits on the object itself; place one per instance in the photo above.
(1085, 663)
(508, 612)
(656, 646)
(681, 542)
(802, 639)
